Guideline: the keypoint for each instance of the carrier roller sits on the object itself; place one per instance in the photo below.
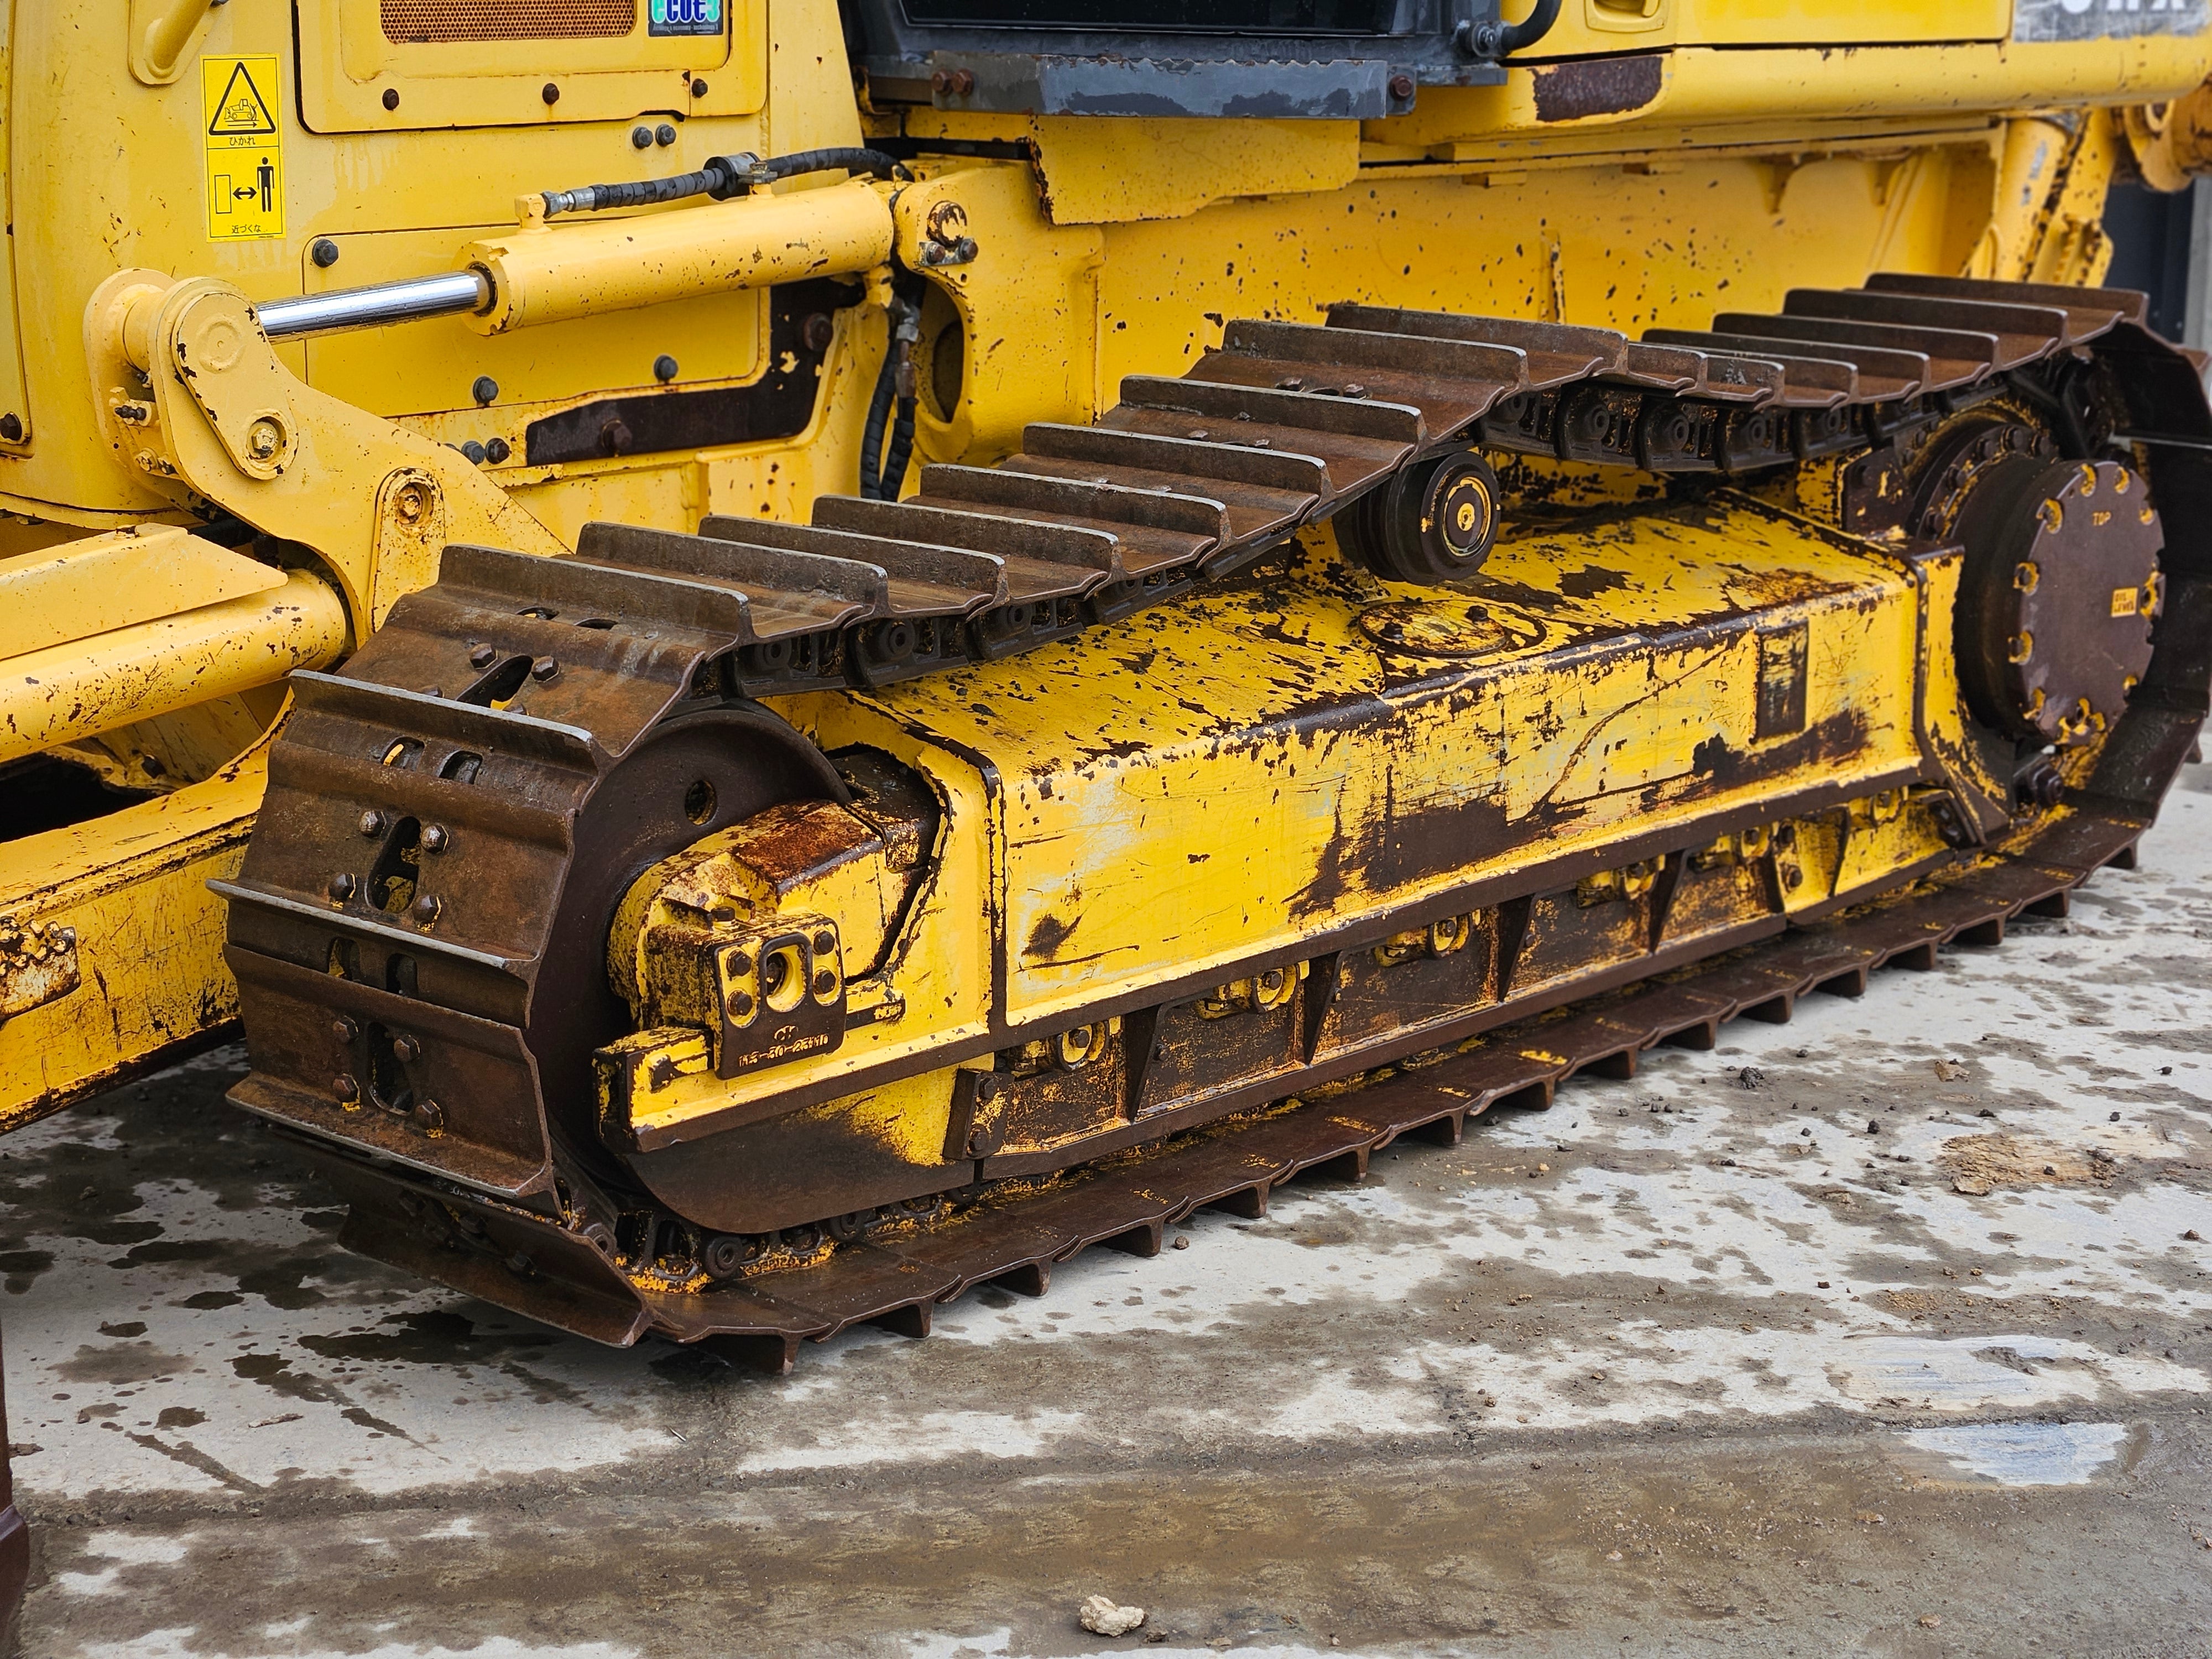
(744, 934)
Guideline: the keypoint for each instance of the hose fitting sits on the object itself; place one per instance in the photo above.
(1493, 41)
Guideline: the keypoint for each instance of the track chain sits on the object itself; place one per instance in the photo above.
(529, 678)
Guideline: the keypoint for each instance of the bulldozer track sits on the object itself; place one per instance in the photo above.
(1284, 426)
(495, 703)
(1015, 1235)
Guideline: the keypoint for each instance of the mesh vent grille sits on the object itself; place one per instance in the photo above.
(506, 20)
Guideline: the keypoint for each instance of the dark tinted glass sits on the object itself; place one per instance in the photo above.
(1144, 16)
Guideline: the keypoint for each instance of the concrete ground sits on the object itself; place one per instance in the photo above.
(1888, 1331)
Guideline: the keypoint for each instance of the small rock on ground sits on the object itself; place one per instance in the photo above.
(1100, 1617)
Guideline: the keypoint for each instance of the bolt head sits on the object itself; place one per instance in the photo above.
(371, 822)
(1402, 87)
(543, 669)
(324, 252)
(435, 838)
(345, 1087)
(408, 1049)
(740, 1004)
(431, 1114)
(481, 656)
(410, 503)
(664, 368)
(698, 88)
(484, 389)
(390, 98)
(641, 137)
(427, 908)
(663, 135)
(344, 1030)
(550, 93)
(824, 983)
(341, 887)
(817, 332)
(263, 439)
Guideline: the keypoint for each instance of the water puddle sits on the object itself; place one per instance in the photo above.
(2027, 1453)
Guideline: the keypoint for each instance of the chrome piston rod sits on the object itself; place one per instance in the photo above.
(345, 308)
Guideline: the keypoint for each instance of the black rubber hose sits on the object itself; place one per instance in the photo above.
(1519, 37)
(879, 411)
(723, 176)
(1496, 41)
(847, 159)
(902, 452)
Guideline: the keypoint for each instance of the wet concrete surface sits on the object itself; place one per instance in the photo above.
(1888, 1331)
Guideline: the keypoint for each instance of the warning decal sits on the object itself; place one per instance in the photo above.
(244, 151)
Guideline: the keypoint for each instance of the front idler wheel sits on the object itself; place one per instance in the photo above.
(1434, 522)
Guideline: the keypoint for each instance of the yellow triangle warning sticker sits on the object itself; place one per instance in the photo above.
(245, 148)
(241, 109)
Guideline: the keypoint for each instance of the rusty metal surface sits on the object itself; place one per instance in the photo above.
(38, 965)
(555, 710)
(1013, 1237)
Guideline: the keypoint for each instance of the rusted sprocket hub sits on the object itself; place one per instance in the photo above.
(2058, 595)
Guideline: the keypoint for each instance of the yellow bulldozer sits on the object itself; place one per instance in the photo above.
(789, 657)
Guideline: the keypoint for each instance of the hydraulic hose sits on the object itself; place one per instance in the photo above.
(892, 405)
(871, 432)
(1497, 40)
(722, 177)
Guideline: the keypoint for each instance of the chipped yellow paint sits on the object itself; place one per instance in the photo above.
(1747, 171)
(1233, 778)
(81, 688)
(134, 886)
(90, 586)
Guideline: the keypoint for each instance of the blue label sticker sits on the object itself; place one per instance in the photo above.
(684, 17)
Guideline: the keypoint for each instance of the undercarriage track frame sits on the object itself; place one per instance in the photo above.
(1086, 525)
